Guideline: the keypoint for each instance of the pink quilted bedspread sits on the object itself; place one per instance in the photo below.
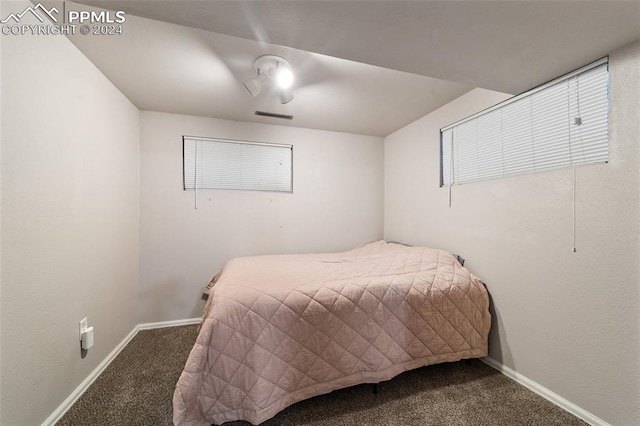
(279, 329)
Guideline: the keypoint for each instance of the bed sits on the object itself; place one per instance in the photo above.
(280, 329)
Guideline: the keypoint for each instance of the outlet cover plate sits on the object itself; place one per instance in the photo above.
(83, 326)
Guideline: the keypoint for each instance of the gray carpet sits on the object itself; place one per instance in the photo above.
(136, 389)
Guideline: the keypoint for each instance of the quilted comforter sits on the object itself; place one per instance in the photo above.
(279, 329)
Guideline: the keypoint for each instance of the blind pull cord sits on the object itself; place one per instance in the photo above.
(195, 184)
(574, 209)
(451, 174)
(577, 121)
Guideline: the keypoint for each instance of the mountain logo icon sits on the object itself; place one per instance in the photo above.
(37, 11)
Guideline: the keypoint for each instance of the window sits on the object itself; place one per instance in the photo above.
(563, 123)
(227, 164)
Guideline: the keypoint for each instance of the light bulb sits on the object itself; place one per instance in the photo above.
(284, 78)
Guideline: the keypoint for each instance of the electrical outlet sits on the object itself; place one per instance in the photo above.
(83, 326)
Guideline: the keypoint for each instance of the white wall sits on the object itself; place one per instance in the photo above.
(337, 204)
(569, 321)
(70, 211)
(2, 10)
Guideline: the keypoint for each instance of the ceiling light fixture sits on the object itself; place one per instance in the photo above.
(284, 77)
(272, 68)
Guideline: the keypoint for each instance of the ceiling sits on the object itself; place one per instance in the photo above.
(376, 65)
(171, 68)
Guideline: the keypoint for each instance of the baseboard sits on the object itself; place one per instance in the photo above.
(545, 393)
(163, 324)
(512, 374)
(77, 393)
(82, 387)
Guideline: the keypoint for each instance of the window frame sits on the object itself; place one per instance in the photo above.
(591, 66)
(233, 141)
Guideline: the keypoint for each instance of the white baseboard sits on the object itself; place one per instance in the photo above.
(163, 324)
(512, 374)
(545, 393)
(82, 387)
(77, 393)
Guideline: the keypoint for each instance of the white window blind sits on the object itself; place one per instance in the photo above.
(226, 164)
(561, 124)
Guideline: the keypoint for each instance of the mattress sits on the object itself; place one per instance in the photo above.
(280, 329)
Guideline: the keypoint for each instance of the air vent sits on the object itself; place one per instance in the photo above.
(274, 115)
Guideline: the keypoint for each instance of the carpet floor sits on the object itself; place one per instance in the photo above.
(136, 389)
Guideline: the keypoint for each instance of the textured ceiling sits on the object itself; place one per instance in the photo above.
(366, 67)
(171, 68)
(509, 46)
